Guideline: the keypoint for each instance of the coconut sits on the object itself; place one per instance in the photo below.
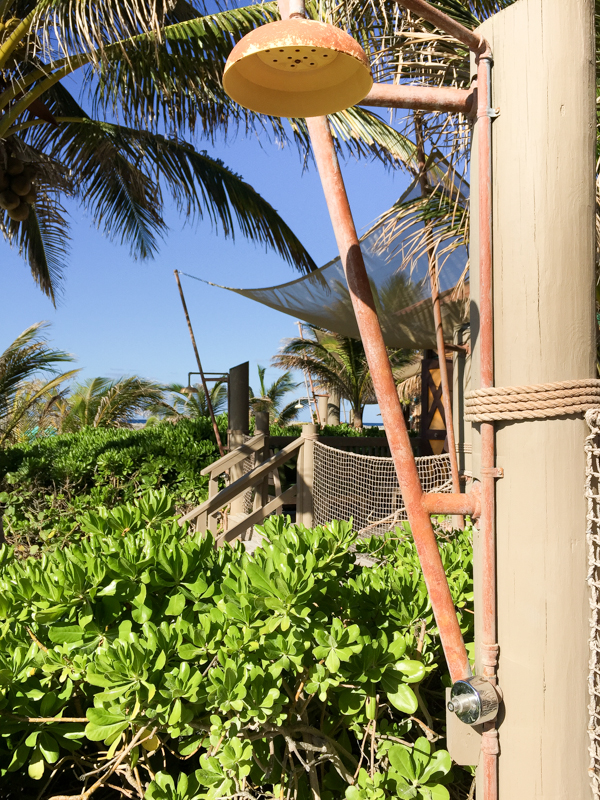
(12, 24)
(4, 182)
(20, 213)
(15, 166)
(9, 200)
(20, 185)
(31, 197)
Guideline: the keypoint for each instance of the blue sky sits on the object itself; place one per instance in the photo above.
(119, 316)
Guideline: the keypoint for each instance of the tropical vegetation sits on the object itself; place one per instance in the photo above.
(191, 401)
(30, 382)
(338, 364)
(269, 399)
(141, 662)
(36, 399)
(150, 86)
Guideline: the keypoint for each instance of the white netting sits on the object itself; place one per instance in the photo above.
(365, 488)
(592, 493)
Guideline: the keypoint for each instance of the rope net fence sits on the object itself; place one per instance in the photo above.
(365, 488)
(592, 493)
(248, 465)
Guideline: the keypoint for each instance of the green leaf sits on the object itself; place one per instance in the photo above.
(36, 766)
(436, 792)
(401, 760)
(142, 614)
(412, 671)
(20, 756)
(351, 701)
(175, 715)
(66, 635)
(404, 699)
(49, 748)
(332, 661)
(176, 605)
(103, 725)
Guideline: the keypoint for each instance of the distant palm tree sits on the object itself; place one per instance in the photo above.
(24, 398)
(270, 398)
(104, 403)
(193, 404)
(338, 363)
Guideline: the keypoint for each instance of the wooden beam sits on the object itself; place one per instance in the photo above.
(237, 455)
(258, 516)
(243, 483)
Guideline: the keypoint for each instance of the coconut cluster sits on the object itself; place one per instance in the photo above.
(17, 187)
(6, 29)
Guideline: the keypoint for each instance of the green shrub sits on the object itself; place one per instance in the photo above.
(47, 485)
(289, 671)
(329, 430)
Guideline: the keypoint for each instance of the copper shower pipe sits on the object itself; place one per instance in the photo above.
(417, 505)
(488, 634)
(489, 647)
(421, 98)
(389, 403)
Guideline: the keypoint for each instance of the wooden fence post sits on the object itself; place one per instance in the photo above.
(238, 406)
(261, 419)
(305, 476)
(543, 294)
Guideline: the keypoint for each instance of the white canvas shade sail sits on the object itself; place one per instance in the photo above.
(401, 288)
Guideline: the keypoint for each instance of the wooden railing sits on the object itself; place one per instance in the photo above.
(365, 445)
(206, 515)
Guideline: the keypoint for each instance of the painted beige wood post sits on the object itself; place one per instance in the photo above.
(323, 403)
(213, 491)
(333, 414)
(305, 476)
(239, 418)
(261, 419)
(543, 230)
(236, 439)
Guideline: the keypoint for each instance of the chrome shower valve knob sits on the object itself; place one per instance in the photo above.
(474, 701)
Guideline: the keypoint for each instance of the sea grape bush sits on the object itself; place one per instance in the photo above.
(143, 662)
(45, 486)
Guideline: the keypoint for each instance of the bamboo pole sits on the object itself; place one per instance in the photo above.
(211, 410)
(437, 311)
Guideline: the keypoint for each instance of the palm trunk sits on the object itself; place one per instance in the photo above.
(357, 417)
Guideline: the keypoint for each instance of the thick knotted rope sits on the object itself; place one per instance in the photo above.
(532, 402)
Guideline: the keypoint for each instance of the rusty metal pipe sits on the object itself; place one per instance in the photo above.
(488, 635)
(421, 98)
(387, 397)
(439, 503)
(296, 8)
(445, 23)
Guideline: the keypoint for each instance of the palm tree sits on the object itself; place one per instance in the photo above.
(338, 363)
(270, 398)
(156, 68)
(25, 398)
(193, 404)
(104, 403)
